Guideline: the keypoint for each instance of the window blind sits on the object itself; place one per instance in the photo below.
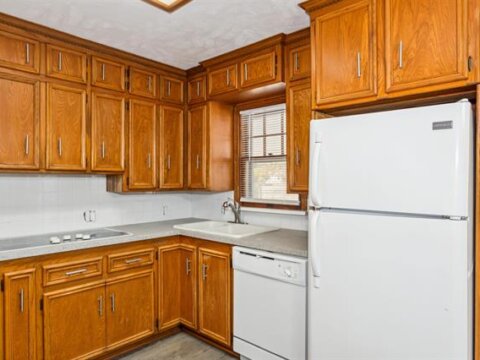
(263, 156)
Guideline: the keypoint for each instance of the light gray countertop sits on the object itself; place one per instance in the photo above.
(290, 242)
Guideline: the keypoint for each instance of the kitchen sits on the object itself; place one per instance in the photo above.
(166, 194)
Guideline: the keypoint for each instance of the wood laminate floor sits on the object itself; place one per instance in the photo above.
(178, 347)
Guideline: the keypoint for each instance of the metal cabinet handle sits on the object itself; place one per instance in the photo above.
(132, 261)
(27, 53)
(59, 61)
(169, 88)
(103, 150)
(75, 272)
(100, 306)
(297, 156)
(149, 83)
(112, 302)
(295, 60)
(228, 77)
(22, 300)
(149, 160)
(27, 145)
(359, 65)
(187, 266)
(400, 55)
(169, 162)
(103, 72)
(245, 68)
(204, 272)
(59, 146)
(198, 161)
(198, 88)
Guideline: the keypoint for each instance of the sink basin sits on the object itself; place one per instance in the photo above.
(221, 228)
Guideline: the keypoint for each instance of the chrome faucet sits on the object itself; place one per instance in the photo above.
(235, 206)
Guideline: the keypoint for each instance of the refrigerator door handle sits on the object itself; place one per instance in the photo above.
(313, 244)
(314, 178)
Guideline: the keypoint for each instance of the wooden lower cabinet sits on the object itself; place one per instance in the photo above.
(20, 314)
(130, 308)
(214, 294)
(74, 322)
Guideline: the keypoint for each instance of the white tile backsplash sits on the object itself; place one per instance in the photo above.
(36, 204)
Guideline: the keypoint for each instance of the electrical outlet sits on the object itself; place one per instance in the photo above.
(90, 216)
(165, 208)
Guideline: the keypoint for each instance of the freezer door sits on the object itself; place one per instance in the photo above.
(390, 288)
(410, 161)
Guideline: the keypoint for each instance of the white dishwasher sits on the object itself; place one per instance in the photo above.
(270, 298)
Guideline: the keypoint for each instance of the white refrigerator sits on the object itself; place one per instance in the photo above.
(390, 235)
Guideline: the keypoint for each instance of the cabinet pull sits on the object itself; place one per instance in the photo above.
(27, 145)
(228, 77)
(103, 72)
(100, 306)
(103, 150)
(295, 60)
(149, 83)
(149, 160)
(198, 161)
(169, 88)
(359, 65)
(198, 88)
(245, 68)
(204, 272)
(297, 156)
(169, 163)
(112, 302)
(22, 300)
(400, 55)
(59, 146)
(187, 266)
(132, 261)
(27, 53)
(75, 272)
(59, 61)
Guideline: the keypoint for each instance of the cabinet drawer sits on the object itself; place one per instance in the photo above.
(17, 52)
(108, 74)
(196, 90)
(222, 80)
(130, 260)
(299, 61)
(66, 64)
(143, 83)
(258, 70)
(171, 89)
(72, 271)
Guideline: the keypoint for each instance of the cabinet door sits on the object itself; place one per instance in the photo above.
(142, 140)
(74, 322)
(108, 74)
(345, 59)
(169, 301)
(188, 285)
(20, 53)
(19, 123)
(299, 116)
(222, 80)
(171, 89)
(108, 132)
(197, 147)
(20, 315)
(171, 147)
(258, 70)
(214, 295)
(143, 83)
(130, 308)
(66, 64)
(66, 128)
(197, 90)
(299, 62)
(426, 42)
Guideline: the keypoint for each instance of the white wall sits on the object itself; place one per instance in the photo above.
(36, 204)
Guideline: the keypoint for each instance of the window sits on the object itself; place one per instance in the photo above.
(263, 156)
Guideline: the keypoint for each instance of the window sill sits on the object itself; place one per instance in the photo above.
(274, 211)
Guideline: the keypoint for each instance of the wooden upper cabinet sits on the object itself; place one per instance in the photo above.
(130, 308)
(197, 90)
(171, 147)
(214, 294)
(298, 120)
(425, 43)
(258, 70)
(19, 53)
(222, 80)
(142, 82)
(344, 46)
(299, 62)
(20, 315)
(108, 74)
(66, 128)
(142, 167)
(197, 147)
(108, 132)
(19, 123)
(74, 322)
(66, 64)
(171, 89)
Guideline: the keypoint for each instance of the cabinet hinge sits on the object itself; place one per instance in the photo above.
(2, 285)
(41, 304)
(470, 63)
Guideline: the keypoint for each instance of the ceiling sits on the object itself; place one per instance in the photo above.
(197, 31)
